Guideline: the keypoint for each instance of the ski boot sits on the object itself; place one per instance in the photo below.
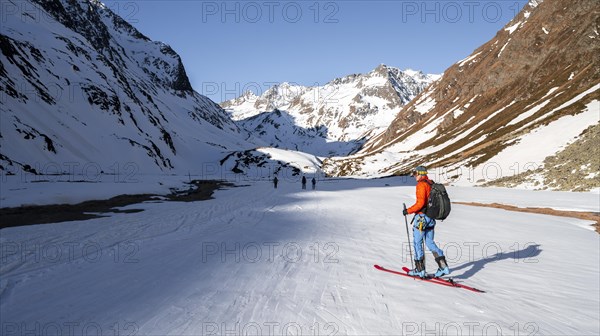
(442, 266)
(419, 269)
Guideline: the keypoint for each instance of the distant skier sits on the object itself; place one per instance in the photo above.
(314, 183)
(423, 228)
(275, 181)
(303, 182)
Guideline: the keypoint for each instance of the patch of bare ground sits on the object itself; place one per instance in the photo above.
(593, 216)
(198, 190)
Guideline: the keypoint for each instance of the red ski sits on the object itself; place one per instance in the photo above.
(439, 281)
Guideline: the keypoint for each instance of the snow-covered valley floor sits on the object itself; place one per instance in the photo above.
(258, 260)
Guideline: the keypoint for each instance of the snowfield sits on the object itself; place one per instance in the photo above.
(258, 260)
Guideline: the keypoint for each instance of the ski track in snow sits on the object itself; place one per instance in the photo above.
(268, 261)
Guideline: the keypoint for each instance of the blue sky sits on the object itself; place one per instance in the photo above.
(230, 46)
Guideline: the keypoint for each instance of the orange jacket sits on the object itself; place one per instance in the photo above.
(423, 191)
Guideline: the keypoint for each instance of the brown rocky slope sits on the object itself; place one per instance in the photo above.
(541, 67)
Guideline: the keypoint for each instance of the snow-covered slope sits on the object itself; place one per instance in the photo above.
(278, 129)
(264, 261)
(79, 85)
(266, 162)
(332, 119)
(518, 101)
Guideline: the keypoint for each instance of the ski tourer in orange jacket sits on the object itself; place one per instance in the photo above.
(423, 229)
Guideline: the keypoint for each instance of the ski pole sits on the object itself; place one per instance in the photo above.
(408, 238)
(423, 248)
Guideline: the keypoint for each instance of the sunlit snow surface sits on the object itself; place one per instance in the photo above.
(301, 261)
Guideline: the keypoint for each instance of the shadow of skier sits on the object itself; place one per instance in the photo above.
(473, 267)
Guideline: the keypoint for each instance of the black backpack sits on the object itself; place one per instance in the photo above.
(438, 205)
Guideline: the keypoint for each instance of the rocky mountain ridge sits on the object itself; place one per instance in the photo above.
(81, 85)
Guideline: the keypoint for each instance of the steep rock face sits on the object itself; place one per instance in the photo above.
(79, 84)
(537, 77)
(332, 119)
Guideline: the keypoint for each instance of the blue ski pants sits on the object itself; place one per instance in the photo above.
(428, 224)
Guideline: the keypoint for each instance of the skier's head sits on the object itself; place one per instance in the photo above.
(419, 172)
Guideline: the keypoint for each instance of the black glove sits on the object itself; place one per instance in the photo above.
(405, 212)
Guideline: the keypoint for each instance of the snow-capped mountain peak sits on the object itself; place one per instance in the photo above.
(86, 86)
(336, 117)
